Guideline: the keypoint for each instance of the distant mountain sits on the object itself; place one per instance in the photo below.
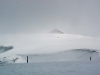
(56, 31)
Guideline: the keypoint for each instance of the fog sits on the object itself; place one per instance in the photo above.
(41, 16)
(25, 24)
(47, 43)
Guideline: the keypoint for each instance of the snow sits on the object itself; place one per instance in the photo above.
(50, 54)
(51, 68)
(69, 55)
(40, 44)
(46, 43)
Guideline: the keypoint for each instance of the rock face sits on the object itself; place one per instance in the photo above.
(5, 48)
(56, 31)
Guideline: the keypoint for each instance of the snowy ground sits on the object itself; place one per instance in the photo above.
(69, 55)
(52, 68)
(50, 45)
(46, 43)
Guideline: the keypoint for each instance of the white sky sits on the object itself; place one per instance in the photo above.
(32, 16)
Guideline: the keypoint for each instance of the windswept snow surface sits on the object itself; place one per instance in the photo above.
(51, 68)
(50, 54)
(69, 55)
(46, 43)
(51, 45)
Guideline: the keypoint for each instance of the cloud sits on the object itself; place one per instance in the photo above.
(71, 16)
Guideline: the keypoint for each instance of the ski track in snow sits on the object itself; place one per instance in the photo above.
(51, 68)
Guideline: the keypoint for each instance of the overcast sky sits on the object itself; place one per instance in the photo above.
(32, 16)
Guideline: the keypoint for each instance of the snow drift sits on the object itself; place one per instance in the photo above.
(69, 55)
(47, 43)
(50, 47)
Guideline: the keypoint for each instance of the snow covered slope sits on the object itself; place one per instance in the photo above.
(54, 68)
(47, 43)
(69, 55)
(40, 44)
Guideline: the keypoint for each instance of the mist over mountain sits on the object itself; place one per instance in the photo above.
(39, 16)
(27, 35)
(56, 31)
(56, 46)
